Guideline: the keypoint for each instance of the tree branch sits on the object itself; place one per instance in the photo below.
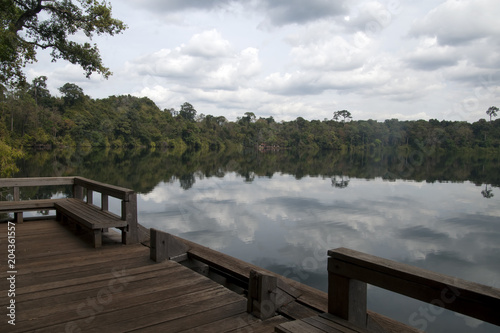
(27, 15)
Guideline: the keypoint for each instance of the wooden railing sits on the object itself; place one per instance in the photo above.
(350, 271)
(81, 185)
(17, 183)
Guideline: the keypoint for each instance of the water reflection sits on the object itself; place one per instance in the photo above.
(286, 225)
(487, 193)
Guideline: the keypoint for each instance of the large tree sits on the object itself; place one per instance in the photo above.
(187, 111)
(343, 113)
(29, 25)
(492, 111)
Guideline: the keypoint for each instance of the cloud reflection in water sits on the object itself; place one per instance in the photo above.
(281, 223)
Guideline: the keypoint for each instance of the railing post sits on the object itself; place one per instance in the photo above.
(18, 216)
(262, 290)
(163, 246)
(77, 192)
(16, 193)
(90, 196)
(346, 296)
(104, 202)
(129, 213)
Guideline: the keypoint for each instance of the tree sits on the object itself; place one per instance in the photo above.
(492, 111)
(39, 91)
(343, 113)
(29, 25)
(187, 111)
(248, 118)
(72, 93)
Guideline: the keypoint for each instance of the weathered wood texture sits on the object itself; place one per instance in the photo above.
(165, 247)
(111, 190)
(88, 216)
(262, 291)
(288, 288)
(18, 207)
(36, 181)
(472, 299)
(64, 285)
(292, 299)
(12, 206)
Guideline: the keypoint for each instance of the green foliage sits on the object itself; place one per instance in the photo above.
(28, 25)
(187, 112)
(8, 156)
(32, 117)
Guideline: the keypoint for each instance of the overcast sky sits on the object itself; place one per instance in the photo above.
(289, 58)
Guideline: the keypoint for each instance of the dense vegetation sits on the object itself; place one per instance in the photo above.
(31, 117)
(143, 169)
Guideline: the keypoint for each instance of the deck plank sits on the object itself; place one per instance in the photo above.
(63, 283)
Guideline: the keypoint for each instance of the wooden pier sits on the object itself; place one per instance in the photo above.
(149, 281)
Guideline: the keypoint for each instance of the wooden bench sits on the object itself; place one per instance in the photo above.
(18, 207)
(88, 216)
(83, 213)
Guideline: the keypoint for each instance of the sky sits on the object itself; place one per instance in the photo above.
(408, 60)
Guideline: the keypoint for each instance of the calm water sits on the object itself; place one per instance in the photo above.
(283, 212)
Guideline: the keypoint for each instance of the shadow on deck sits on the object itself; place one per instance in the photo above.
(62, 284)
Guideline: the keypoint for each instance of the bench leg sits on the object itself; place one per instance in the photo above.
(124, 235)
(97, 238)
(18, 217)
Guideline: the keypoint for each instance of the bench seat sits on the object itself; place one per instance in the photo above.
(88, 216)
(17, 207)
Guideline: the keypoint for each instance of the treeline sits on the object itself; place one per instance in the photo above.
(31, 117)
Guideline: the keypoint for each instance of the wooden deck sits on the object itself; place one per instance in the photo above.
(62, 284)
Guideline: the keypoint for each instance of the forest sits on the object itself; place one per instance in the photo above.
(31, 117)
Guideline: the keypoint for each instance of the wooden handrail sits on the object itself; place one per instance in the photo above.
(349, 271)
(111, 190)
(36, 181)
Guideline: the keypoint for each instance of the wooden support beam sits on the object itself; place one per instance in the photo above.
(77, 192)
(104, 202)
(164, 246)
(18, 217)
(90, 197)
(346, 297)
(262, 290)
(129, 213)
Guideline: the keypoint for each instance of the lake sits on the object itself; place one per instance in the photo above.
(282, 211)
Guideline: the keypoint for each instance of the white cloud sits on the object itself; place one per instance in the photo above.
(207, 61)
(208, 44)
(456, 22)
(431, 56)
(370, 57)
